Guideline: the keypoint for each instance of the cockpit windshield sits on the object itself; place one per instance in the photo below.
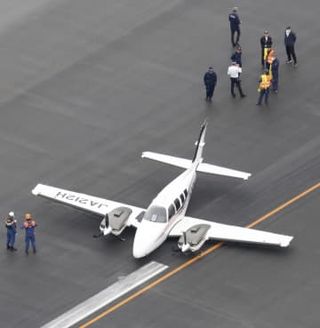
(156, 214)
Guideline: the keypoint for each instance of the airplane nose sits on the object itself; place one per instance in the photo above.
(138, 254)
(139, 249)
(143, 244)
(147, 239)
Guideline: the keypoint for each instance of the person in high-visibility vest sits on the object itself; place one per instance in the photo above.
(271, 55)
(264, 87)
(266, 44)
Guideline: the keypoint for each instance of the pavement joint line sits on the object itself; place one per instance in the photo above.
(107, 296)
(196, 258)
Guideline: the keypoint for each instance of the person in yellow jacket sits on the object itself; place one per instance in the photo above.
(271, 55)
(264, 87)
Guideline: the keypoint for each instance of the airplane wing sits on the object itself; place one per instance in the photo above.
(190, 227)
(87, 203)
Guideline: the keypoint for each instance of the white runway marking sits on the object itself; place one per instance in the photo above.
(107, 295)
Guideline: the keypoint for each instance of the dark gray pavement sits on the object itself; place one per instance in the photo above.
(240, 286)
(85, 87)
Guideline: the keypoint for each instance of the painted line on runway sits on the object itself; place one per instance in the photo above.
(107, 296)
(196, 258)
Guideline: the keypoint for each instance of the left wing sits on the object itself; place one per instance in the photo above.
(195, 232)
(88, 203)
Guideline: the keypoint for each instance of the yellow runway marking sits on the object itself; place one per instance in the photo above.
(196, 258)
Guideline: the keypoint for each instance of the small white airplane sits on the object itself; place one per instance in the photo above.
(165, 216)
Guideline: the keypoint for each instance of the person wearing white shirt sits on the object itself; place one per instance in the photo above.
(234, 72)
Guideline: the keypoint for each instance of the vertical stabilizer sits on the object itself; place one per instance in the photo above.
(200, 143)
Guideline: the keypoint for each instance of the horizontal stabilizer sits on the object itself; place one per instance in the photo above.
(171, 160)
(202, 167)
(219, 170)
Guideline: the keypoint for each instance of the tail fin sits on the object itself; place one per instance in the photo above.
(200, 143)
(197, 159)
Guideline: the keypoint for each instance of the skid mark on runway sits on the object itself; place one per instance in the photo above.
(197, 257)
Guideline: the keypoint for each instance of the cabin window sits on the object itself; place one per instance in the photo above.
(171, 211)
(177, 203)
(156, 214)
(185, 193)
(182, 198)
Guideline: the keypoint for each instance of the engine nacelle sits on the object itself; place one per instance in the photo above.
(193, 238)
(115, 221)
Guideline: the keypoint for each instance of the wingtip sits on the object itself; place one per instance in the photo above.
(36, 190)
(286, 242)
(247, 176)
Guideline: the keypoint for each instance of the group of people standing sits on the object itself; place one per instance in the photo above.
(29, 226)
(269, 62)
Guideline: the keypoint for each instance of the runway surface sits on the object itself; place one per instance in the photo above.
(85, 87)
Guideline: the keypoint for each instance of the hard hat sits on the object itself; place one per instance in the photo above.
(28, 216)
(11, 214)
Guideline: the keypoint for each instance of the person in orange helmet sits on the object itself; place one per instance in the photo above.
(29, 226)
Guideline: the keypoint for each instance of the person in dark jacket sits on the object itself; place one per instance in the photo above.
(11, 225)
(289, 41)
(210, 81)
(234, 26)
(266, 44)
(29, 226)
(275, 74)
(237, 56)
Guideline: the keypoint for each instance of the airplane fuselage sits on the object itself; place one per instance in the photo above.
(164, 212)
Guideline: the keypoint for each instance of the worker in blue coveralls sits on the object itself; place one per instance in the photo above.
(29, 225)
(234, 26)
(11, 225)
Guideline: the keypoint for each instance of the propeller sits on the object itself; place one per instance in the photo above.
(103, 225)
(184, 234)
(185, 246)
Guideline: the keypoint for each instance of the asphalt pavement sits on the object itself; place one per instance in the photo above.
(85, 87)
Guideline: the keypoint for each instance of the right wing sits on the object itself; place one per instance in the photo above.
(86, 203)
(227, 232)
